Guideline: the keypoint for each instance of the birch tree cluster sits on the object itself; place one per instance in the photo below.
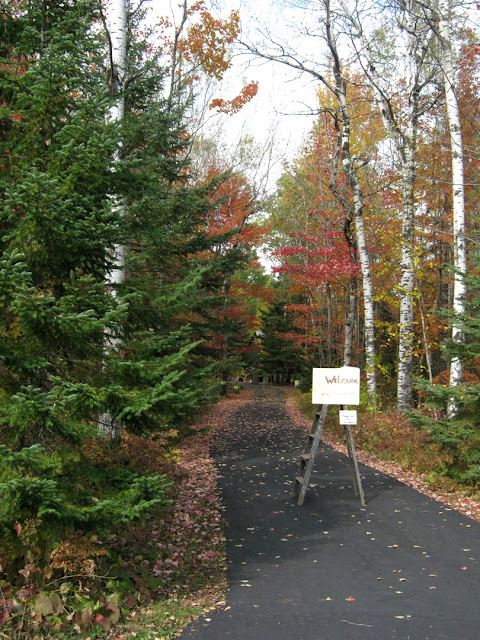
(390, 165)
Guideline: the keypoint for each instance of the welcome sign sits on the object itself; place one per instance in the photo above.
(336, 386)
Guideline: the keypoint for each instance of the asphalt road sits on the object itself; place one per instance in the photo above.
(404, 567)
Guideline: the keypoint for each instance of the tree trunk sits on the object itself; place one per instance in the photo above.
(404, 138)
(350, 321)
(354, 182)
(329, 326)
(117, 29)
(116, 25)
(407, 279)
(349, 235)
(458, 192)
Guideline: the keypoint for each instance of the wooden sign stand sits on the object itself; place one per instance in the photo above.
(307, 458)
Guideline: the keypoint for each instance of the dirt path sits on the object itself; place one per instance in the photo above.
(404, 567)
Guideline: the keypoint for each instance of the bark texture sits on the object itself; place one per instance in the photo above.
(354, 182)
(458, 190)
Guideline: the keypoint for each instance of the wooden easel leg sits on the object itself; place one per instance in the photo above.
(302, 479)
(350, 456)
(353, 456)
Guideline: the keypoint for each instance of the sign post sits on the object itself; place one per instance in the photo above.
(340, 386)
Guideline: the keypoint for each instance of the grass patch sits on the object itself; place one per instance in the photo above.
(163, 620)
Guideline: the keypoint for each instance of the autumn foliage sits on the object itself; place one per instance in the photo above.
(315, 241)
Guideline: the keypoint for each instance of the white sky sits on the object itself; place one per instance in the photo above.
(285, 98)
(281, 107)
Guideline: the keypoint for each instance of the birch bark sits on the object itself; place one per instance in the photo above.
(329, 326)
(117, 30)
(458, 191)
(116, 26)
(404, 135)
(352, 176)
(407, 267)
(350, 321)
(349, 235)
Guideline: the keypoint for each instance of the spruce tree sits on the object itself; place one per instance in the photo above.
(459, 435)
(58, 232)
(280, 357)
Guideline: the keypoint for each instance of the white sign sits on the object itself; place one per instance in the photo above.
(348, 417)
(336, 386)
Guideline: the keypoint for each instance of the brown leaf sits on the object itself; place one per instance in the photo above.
(114, 612)
(43, 605)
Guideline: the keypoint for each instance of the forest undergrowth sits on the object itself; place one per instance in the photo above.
(179, 562)
(172, 568)
(149, 578)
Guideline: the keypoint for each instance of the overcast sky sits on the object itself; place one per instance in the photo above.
(284, 100)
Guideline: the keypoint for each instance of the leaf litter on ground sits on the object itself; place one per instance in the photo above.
(193, 537)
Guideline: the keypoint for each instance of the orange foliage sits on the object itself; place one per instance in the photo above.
(230, 221)
(235, 204)
(208, 39)
(248, 92)
(206, 46)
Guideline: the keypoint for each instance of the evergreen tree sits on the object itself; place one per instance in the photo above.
(58, 232)
(174, 284)
(280, 356)
(57, 226)
(458, 435)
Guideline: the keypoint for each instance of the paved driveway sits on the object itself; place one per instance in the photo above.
(404, 567)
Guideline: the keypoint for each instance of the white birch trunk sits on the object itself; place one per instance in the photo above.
(349, 322)
(407, 279)
(458, 191)
(351, 173)
(117, 27)
(116, 70)
(406, 144)
(349, 236)
(404, 139)
(329, 326)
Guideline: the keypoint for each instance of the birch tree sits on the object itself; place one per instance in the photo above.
(439, 15)
(338, 89)
(116, 31)
(349, 235)
(350, 169)
(458, 189)
(116, 23)
(402, 127)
